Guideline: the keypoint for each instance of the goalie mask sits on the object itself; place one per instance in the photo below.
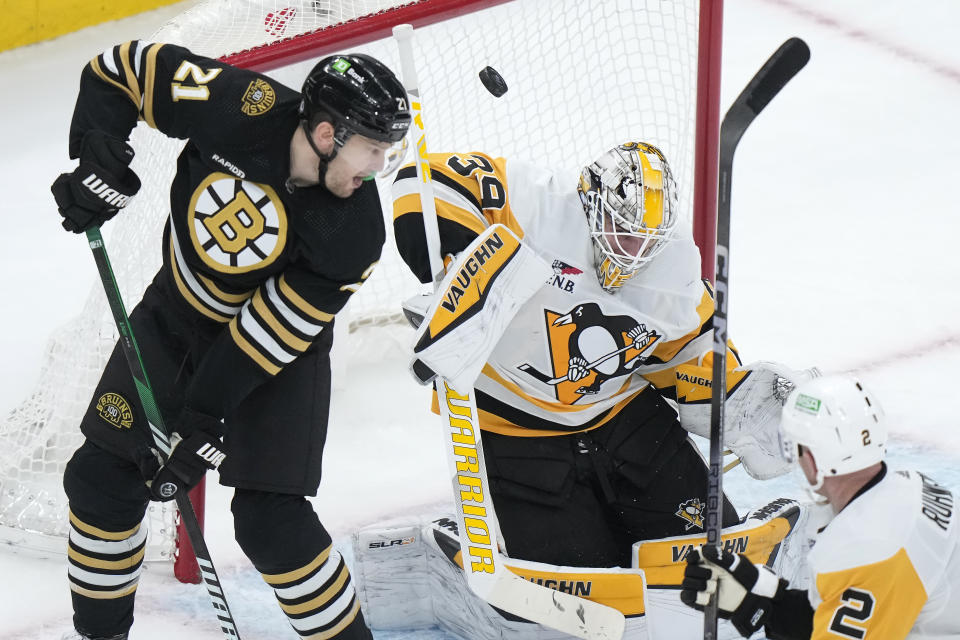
(630, 200)
(839, 421)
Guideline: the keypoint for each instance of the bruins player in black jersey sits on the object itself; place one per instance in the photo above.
(273, 224)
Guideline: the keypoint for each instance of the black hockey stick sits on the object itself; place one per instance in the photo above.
(775, 73)
(161, 436)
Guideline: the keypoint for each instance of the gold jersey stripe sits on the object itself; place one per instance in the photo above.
(150, 67)
(667, 350)
(320, 599)
(80, 525)
(187, 294)
(895, 587)
(103, 595)
(300, 303)
(553, 407)
(495, 424)
(95, 65)
(282, 332)
(252, 351)
(96, 563)
(229, 298)
(663, 379)
(274, 579)
(340, 626)
(132, 83)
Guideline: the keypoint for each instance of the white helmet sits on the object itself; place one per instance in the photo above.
(630, 199)
(839, 421)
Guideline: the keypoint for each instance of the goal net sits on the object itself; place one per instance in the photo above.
(583, 76)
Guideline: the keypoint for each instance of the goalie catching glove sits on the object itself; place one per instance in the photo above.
(100, 186)
(745, 592)
(752, 410)
(191, 457)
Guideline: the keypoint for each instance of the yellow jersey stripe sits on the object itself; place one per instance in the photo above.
(274, 579)
(251, 351)
(95, 65)
(150, 66)
(131, 76)
(281, 331)
(300, 303)
(229, 298)
(187, 294)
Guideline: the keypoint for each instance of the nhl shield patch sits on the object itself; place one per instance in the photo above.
(115, 410)
(258, 98)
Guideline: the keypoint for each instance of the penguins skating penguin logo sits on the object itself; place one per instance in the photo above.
(587, 348)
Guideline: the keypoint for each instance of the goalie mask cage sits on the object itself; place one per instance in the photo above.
(583, 77)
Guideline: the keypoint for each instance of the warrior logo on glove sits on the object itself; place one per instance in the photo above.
(588, 348)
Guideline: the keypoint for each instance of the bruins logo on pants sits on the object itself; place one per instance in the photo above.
(115, 410)
(236, 225)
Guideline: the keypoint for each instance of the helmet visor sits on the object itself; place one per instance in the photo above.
(372, 158)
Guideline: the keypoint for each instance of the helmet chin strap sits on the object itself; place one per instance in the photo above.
(340, 135)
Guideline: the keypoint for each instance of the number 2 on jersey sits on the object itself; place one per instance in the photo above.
(858, 607)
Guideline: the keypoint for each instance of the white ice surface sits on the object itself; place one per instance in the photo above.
(843, 230)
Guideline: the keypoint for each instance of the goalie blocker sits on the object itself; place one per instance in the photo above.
(409, 575)
(479, 296)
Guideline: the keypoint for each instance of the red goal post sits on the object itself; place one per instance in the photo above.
(583, 76)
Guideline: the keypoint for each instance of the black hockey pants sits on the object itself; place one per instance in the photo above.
(583, 499)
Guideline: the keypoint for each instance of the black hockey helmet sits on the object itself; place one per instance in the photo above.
(359, 94)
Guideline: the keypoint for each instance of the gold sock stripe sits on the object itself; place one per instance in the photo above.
(101, 533)
(276, 579)
(110, 565)
(319, 601)
(340, 626)
(103, 595)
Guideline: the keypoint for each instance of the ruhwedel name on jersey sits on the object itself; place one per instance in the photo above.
(470, 480)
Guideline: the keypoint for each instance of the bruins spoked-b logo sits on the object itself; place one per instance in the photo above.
(258, 98)
(115, 409)
(236, 225)
(588, 348)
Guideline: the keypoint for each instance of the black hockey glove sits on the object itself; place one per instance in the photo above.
(745, 593)
(100, 186)
(191, 458)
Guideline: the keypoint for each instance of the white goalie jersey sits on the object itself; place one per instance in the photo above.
(573, 355)
(888, 565)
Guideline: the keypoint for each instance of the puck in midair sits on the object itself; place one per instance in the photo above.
(493, 81)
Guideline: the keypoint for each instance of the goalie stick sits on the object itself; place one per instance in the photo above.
(485, 572)
(161, 437)
(767, 83)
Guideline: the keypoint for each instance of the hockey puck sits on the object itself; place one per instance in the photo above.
(493, 81)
